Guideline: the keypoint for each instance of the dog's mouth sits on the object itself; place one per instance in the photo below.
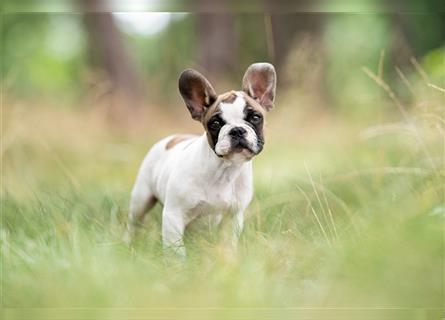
(247, 152)
(242, 148)
(238, 148)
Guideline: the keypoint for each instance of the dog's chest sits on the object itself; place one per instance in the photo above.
(220, 198)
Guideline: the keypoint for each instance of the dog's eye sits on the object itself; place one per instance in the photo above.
(255, 119)
(215, 125)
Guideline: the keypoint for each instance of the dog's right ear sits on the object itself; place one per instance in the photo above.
(259, 82)
(197, 92)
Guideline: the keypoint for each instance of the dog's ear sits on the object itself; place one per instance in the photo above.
(197, 92)
(259, 82)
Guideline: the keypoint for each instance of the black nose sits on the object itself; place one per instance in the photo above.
(237, 132)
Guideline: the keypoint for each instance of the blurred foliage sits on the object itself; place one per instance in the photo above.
(47, 55)
(43, 54)
(353, 41)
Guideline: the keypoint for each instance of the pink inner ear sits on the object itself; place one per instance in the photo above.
(261, 92)
(266, 101)
(259, 83)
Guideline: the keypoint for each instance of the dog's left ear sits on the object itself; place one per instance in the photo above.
(259, 82)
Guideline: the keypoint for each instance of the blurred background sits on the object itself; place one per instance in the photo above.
(93, 58)
(348, 212)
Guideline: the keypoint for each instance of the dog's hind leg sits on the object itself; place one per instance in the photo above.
(142, 200)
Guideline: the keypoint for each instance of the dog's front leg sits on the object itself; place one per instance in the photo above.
(237, 227)
(173, 226)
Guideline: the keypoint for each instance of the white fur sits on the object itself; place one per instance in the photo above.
(190, 180)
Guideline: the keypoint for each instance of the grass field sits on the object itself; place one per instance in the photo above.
(347, 220)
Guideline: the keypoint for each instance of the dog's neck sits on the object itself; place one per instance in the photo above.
(216, 169)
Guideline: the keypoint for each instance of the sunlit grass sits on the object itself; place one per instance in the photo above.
(345, 217)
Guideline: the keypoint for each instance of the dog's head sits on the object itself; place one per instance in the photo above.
(233, 120)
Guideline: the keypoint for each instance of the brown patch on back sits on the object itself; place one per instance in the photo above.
(177, 139)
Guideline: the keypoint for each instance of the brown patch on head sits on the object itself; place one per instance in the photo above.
(227, 97)
(177, 139)
(252, 103)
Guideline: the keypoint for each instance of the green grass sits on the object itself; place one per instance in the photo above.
(343, 225)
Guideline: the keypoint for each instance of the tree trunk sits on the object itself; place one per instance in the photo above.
(285, 26)
(217, 46)
(109, 54)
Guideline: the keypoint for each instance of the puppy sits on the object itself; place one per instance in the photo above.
(209, 174)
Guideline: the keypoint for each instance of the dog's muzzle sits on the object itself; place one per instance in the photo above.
(239, 142)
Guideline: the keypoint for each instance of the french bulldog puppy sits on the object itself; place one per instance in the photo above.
(209, 174)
